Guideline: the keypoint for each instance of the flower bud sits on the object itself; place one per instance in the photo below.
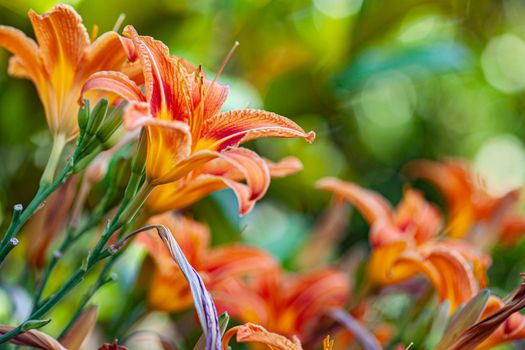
(97, 117)
(110, 125)
(139, 160)
(83, 115)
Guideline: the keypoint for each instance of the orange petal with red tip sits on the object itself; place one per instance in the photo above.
(235, 127)
(167, 90)
(370, 204)
(115, 82)
(252, 333)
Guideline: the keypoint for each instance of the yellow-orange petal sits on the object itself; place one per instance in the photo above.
(456, 280)
(61, 36)
(106, 53)
(370, 204)
(382, 262)
(183, 193)
(176, 170)
(235, 127)
(169, 292)
(253, 333)
(27, 62)
(115, 82)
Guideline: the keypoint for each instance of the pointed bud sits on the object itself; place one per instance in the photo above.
(110, 125)
(34, 324)
(139, 160)
(83, 115)
(97, 116)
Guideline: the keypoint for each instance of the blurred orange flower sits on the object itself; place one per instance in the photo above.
(253, 333)
(181, 113)
(214, 176)
(474, 213)
(60, 62)
(169, 290)
(405, 243)
(289, 304)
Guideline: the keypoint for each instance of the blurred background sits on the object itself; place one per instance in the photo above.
(381, 82)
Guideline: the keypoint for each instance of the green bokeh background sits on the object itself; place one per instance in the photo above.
(381, 82)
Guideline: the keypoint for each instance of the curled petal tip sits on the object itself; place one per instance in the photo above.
(326, 183)
(310, 136)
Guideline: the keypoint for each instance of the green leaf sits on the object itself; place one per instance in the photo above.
(463, 319)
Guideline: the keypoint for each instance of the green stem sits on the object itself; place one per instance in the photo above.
(19, 220)
(101, 281)
(71, 237)
(126, 213)
(59, 142)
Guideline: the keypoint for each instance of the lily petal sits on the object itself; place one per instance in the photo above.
(253, 333)
(235, 127)
(61, 35)
(115, 82)
(27, 62)
(166, 88)
(371, 205)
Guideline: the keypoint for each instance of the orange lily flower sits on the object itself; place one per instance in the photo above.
(60, 62)
(289, 304)
(405, 243)
(216, 175)
(169, 290)
(181, 113)
(253, 333)
(474, 213)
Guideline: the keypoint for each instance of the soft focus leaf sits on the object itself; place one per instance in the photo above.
(463, 319)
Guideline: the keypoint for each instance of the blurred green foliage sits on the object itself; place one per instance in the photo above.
(381, 82)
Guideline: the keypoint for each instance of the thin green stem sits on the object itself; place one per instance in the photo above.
(126, 213)
(71, 237)
(101, 281)
(59, 142)
(20, 220)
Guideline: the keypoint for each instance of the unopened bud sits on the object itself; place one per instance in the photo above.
(97, 117)
(83, 115)
(110, 124)
(139, 160)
